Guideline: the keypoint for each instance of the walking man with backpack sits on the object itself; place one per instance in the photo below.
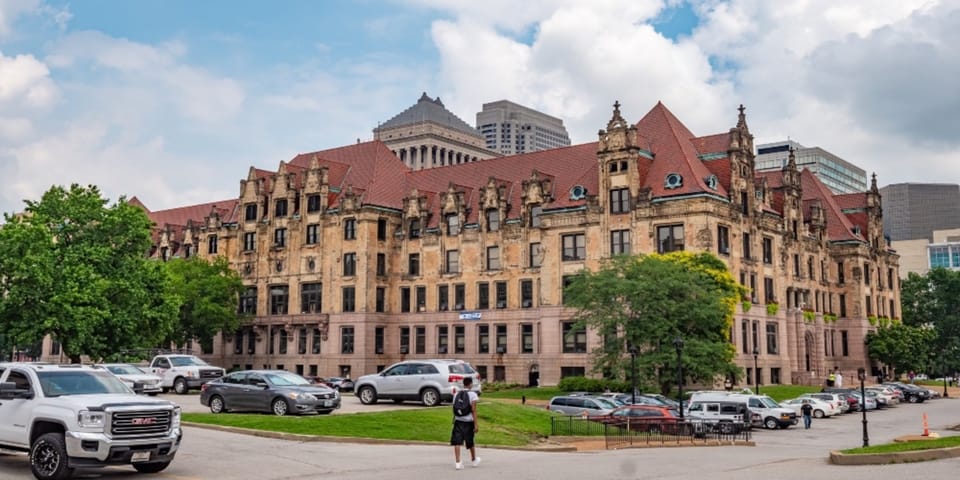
(465, 423)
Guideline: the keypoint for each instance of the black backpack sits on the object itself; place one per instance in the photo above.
(461, 404)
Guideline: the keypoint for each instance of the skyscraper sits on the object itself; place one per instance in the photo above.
(914, 210)
(510, 128)
(839, 175)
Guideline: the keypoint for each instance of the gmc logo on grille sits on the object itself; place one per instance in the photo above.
(143, 421)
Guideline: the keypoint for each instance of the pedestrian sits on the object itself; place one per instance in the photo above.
(807, 411)
(838, 380)
(465, 423)
(831, 379)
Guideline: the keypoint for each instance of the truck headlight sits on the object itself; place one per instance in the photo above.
(175, 419)
(88, 419)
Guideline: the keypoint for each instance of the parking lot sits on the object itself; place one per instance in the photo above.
(190, 403)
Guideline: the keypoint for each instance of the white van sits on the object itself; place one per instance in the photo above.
(767, 412)
(727, 416)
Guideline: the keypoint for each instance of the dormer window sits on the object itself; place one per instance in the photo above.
(578, 192)
(535, 212)
(493, 220)
(453, 224)
(712, 182)
(856, 230)
(281, 209)
(673, 180)
(415, 228)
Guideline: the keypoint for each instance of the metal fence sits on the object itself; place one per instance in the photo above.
(620, 434)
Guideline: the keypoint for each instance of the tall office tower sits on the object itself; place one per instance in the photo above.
(510, 128)
(839, 175)
(914, 210)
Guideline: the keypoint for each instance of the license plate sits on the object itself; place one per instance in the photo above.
(140, 457)
(328, 403)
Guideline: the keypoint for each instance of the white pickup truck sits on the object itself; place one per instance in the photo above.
(76, 416)
(183, 372)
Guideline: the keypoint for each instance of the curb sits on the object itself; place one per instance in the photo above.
(296, 437)
(838, 458)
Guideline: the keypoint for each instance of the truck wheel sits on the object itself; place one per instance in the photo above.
(771, 423)
(180, 386)
(279, 407)
(216, 404)
(152, 467)
(48, 458)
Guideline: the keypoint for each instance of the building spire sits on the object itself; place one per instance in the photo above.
(873, 183)
(742, 117)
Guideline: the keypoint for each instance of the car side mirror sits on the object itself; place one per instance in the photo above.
(138, 388)
(260, 384)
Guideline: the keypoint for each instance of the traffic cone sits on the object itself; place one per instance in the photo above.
(926, 428)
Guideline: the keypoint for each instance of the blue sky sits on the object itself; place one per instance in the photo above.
(173, 101)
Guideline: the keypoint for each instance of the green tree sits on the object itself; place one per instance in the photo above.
(901, 347)
(648, 301)
(75, 268)
(208, 294)
(933, 300)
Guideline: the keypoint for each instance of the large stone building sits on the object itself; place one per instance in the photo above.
(354, 260)
(427, 135)
(510, 128)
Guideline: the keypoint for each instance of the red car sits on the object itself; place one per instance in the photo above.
(642, 418)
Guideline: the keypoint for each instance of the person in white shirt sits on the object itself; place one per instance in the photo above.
(838, 380)
(465, 426)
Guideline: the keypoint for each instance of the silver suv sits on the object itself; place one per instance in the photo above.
(427, 381)
(580, 405)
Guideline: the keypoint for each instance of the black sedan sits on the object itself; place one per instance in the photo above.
(276, 391)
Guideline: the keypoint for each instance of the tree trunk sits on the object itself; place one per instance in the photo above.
(75, 359)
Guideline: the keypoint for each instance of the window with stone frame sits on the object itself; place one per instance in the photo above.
(350, 229)
(536, 257)
(405, 303)
(280, 237)
(493, 220)
(574, 247)
(381, 264)
(279, 299)
(310, 297)
(381, 300)
(280, 209)
(420, 340)
(723, 240)
(535, 212)
(415, 228)
(421, 292)
(443, 339)
(313, 203)
(346, 340)
(250, 212)
(248, 301)
(249, 241)
(767, 251)
(212, 245)
(670, 238)
(459, 296)
(483, 296)
(526, 293)
(574, 338)
(620, 200)
(349, 264)
(620, 242)
(459, 339)
(501, 339)
(302, 341)
(493, 258)
(316, 341)
(773, 346)
(413, 264)
(443, 298)
(501, 292)
(381, 229)
(526, 338)
(453, 224)
(349, 299)
(313, 234)
(453, 261)
(483, 338)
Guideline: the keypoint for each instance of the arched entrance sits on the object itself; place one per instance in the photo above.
(809, 347)
(534, 376)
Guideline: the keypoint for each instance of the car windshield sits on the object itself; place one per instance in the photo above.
(286, 379)
(605, 403)
(187, 361)
(769, 402)
(124, 370)
(57, 383)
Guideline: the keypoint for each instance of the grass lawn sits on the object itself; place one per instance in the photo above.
(911, 446)
(532, 393)
(785, 392)
(501, 423)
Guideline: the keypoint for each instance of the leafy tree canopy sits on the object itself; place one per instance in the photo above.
(933, 300)
(208, 293)
(648, 301)
(75, 268)
(901, 347)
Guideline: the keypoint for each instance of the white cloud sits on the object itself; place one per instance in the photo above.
(24, 80)
(11, 9)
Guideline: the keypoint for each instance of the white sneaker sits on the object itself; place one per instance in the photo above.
(458, 465)
(476, 462)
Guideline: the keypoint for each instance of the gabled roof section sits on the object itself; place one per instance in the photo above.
(839, 227)
(182, 215)
(429, 110)
(852, 201)
(671, 143)
(370, 167)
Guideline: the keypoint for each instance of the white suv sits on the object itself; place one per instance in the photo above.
(429, 381)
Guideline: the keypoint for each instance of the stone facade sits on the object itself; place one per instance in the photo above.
(354, 261)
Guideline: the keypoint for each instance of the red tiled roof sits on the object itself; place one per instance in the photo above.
(718, 143)
(660, 132)
(181, 215)
(370, 166)
(850, 201)
(839, 227)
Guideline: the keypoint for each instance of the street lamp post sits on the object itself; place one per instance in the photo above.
(862, 375)
(678, 343)
(633, 372)
(756, 372)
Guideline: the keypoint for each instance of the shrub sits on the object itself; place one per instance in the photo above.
(594, 385)
(772, 308)
(746, 305)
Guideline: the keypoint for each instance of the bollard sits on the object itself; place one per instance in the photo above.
(926, 428)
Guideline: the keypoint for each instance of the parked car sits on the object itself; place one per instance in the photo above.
(723, 415)
(340, 383)
(771, 414)
(276, 391)
(579, 405)
(891, 395)
(821, 408)
(131, 374)
(911, 393)
(836, 400)
(642, 418)
(429, 381)
(641, 399)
